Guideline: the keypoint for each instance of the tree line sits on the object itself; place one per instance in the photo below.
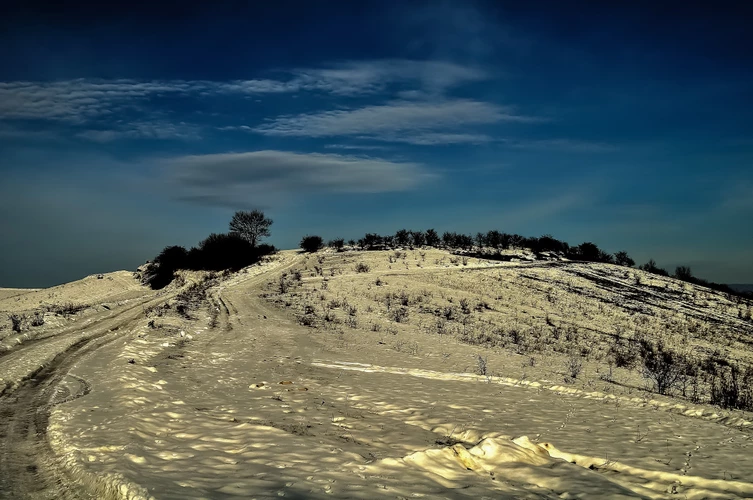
(490, 245)
(241, 247)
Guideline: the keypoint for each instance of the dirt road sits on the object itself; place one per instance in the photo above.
(28, 466)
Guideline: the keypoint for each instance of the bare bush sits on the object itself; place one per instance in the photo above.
(624, 354)
(450, 313)
(482, 367)
(37, 319)
(465, 306)
(441, 326)
(732, 387)
(362, 267)
(18, 322)
(574, 365)
(662, 366)
(399, 314)
(66, 309)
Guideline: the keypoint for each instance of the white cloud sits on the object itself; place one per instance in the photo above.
(82, 100)
(359, 77)
(383, 122)
(266, 177)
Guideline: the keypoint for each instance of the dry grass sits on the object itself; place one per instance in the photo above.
(586, 321)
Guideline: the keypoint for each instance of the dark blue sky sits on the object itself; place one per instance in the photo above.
(125, 128)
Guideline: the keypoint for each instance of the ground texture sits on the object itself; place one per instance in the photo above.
(369, 375)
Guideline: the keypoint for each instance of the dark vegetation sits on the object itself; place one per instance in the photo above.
(217, 252)
(312, 243)
(21, 322)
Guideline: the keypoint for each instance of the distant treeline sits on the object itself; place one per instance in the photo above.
(240, 248)
(490, 244)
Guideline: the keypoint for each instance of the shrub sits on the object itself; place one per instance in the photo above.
(371, 240)
(37, 319)
(651, 267)
(465, 305)
(18, 322)
(307, 320)
(547, 243)
(161, 271)
(733, 388)
(432, 238)
(264, 249)
(450, 313)
(482, 367)
(449, 240)
(662, 366)
(683, 273)
(589, 252)
(362, 267)
(399, 314)
(623, 259)
(311, 244)
(419, 238)
(337, 244)
(223, 251)
(605, 257)
(465, 241)
(402, 238)
(623, 354)
(66, 309)
(574, 365)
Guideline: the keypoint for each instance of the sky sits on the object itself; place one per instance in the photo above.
(125, 127)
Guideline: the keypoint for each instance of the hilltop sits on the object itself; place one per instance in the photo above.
(363, 374)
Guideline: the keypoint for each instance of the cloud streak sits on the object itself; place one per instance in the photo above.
(81, 100)
(263, 178)
(142, 130)
(569, 145)
(421, 119)
(364, 77)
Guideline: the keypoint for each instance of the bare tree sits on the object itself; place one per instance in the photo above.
(251, 226)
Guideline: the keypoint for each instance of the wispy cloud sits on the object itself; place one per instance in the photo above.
(570, 145)
(142, 130)
(362, 147)
(359, 77)
(383, 122)
(266, 177)
(437, 138)
(81, 100)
